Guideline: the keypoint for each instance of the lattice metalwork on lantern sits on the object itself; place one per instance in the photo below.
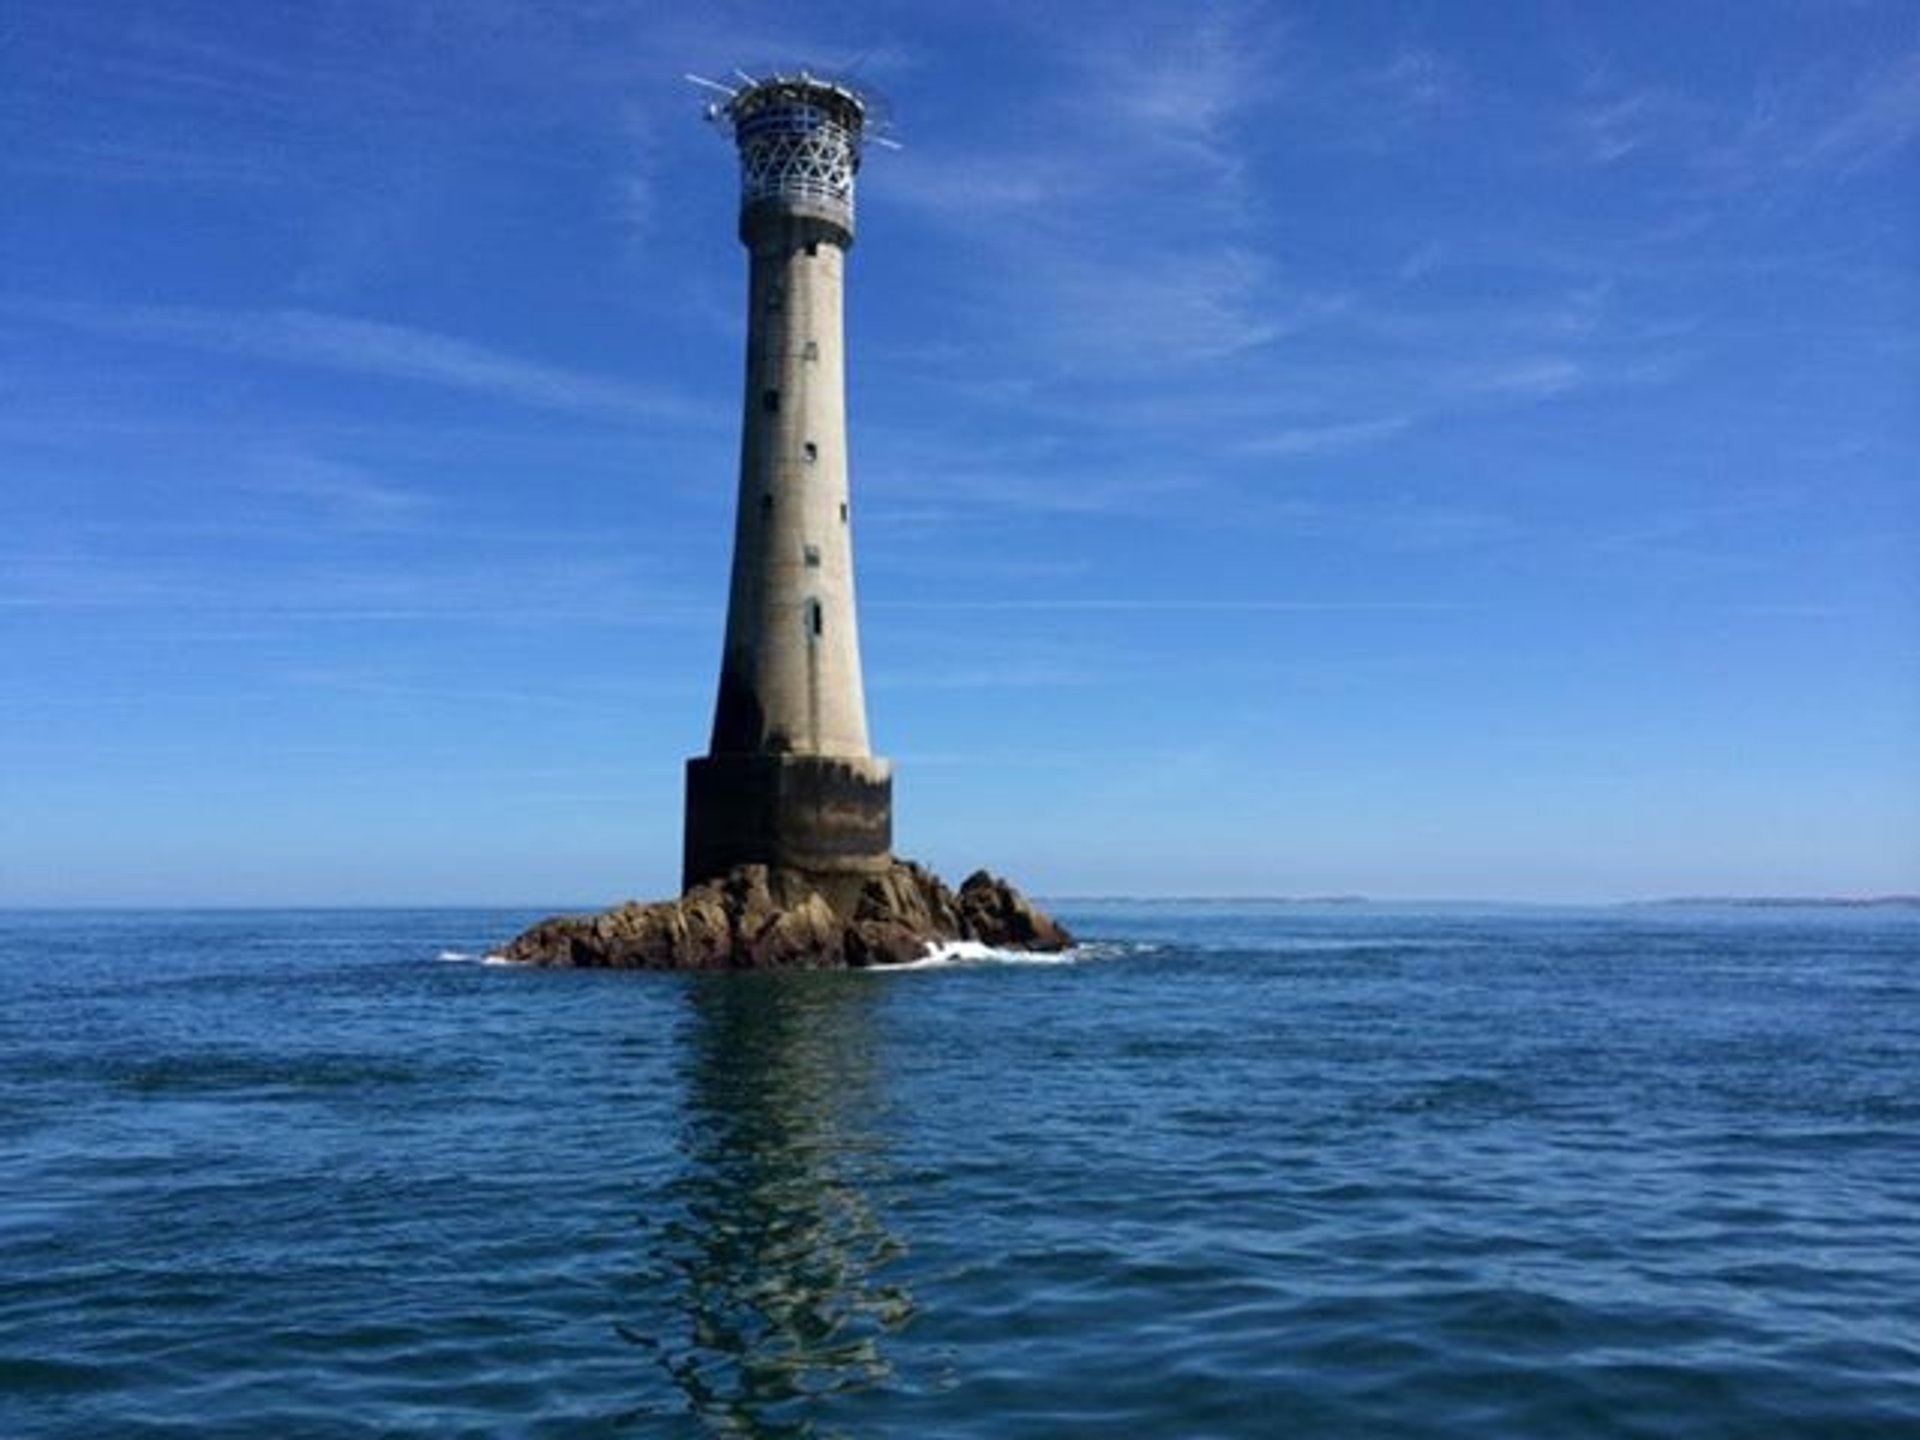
(800, 138)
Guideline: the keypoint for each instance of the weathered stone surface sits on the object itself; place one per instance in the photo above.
(756, 918)
(1000, 915)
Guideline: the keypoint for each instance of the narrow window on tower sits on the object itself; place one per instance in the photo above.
(766, 502)
(770, 401)
(843, 512)
(813, 617)
(812, 553)
(813, 247)
(811, 451)
(810, 350)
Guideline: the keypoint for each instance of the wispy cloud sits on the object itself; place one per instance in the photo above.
(1036, 487)
(345, 493)
(259, 598)
(148, 161)
(585, 692)
(1429, 388)
(1187, 86)
(1816, 126)
(1795, 610)
(1138, 317)
(1398, 524)
(1189, 605)
(996, 677)
(372, 348)
(1608, 130)
(1532, 377)
(1323, 439)
(1419, 80)
(1131, 759)
(1877, 120)
(967, 187)
(639, 201)
(1137, 135)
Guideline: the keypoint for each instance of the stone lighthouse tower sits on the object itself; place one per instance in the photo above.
(789, 779)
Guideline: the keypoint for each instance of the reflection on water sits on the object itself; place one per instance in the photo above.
(767, 1246)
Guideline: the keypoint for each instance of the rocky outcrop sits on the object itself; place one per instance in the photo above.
(757, 918)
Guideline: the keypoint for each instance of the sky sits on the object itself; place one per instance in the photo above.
(1401, 449)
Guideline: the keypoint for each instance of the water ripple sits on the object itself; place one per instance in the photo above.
(1261, 1170)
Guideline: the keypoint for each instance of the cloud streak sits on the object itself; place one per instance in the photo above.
(371, 348)
(1129, 604)
(1326, 439)
(1811, 129)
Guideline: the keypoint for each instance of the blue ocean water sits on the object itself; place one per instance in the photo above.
(1235, 1170)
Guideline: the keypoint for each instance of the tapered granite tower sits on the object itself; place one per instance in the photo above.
(788, 779)
(789, 828)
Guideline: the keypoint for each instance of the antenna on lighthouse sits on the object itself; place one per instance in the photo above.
(871, 109)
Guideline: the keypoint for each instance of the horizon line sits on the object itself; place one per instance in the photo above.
(1753, 901)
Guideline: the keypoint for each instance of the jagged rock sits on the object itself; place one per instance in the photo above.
(912, 896)
(756, 918)
(883, 942)
(1000, 915)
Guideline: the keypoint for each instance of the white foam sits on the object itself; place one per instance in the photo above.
(975, 952)
(1114, 949)
(462, 957)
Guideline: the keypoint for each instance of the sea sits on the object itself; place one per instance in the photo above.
(1229, 1169)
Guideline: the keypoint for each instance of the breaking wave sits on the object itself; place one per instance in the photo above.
(975, 952)
(463, 957)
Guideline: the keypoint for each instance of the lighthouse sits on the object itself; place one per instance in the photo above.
(789, 781)
(789, 778)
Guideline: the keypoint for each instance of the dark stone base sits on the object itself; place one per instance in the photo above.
(822, 814)
(756, 918)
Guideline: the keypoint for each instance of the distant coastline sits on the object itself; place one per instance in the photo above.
(1795, 902)
(1739, 902)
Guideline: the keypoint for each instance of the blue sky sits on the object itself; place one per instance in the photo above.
(1410, 449)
